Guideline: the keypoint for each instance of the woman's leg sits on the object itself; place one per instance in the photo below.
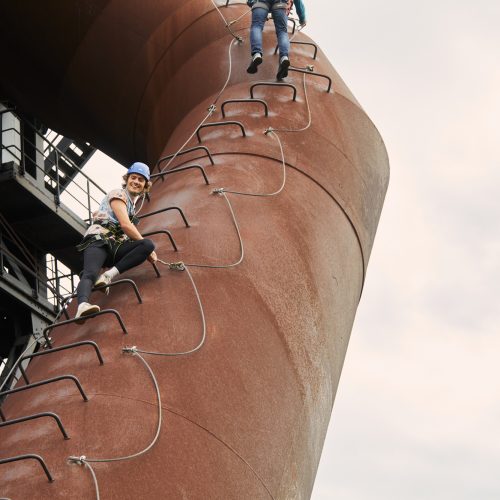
(281, 28)
(132, 253)
(259, 16)
(93, 260)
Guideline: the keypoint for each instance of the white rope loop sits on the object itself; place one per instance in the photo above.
(221, 192)
(309, 122)
(180, 266)
(82, 459)
(283, 163)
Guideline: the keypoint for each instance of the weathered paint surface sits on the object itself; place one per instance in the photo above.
(245, 417)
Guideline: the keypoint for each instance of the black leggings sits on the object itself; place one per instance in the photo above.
(129, 254)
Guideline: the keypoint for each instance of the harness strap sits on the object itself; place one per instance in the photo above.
(264, 5)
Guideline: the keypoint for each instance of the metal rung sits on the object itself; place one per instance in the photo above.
(123, 281)
(230, 101)
(273, 84)
(45, 382)
(220, 124)
(27, 457)
(302, 43)
(35, 416)
(164, 231)
(291, 20)
(57, 349)
(157, 271)
(89, 316)
(181, 169)
(185, 151)
(165, 210)
(312, 73)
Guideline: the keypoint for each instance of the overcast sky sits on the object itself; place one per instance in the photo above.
(417, 414)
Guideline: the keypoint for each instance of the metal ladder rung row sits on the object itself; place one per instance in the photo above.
(38, 458)
(35, 416)
(161, 175)
(28, 386)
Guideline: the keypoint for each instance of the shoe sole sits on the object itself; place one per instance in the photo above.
(102, 290)
(82, 318)
(254, 65)
(283, 70)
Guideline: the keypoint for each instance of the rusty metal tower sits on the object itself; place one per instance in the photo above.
(214, 378)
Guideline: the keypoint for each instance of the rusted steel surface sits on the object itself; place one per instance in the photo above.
(246, 415)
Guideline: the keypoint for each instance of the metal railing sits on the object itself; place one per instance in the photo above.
(53, 281)
(61, 175)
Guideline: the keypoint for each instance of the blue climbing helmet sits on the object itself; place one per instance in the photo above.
(139, 168)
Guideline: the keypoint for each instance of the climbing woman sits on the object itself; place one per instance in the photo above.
(112, 240)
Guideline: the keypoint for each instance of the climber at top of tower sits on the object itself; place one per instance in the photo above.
(112, 240)
(260, 10)
(301, 11)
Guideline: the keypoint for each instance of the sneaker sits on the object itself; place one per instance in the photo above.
(103, 279)
(283, 68)
(256, 60)
(84, 309)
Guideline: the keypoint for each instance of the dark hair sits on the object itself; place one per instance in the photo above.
(147, 186)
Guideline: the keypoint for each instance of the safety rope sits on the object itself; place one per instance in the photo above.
(308, 111)
(83, 459)
(228, 25)
(240, 17)
(219, 191)
(268, 131)
(211, 110)
(180, 266)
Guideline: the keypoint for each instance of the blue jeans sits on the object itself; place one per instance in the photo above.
(259, 16)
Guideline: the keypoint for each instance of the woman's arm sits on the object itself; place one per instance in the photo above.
(120, 209)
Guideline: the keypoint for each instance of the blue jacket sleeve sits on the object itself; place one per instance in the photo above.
(301, 10)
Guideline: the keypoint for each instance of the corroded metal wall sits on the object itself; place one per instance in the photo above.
(245, 416)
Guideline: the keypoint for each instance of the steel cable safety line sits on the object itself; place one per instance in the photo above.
(180, 266)
(228, 25)
(83, 460)
(220, 191)
(303, 129)
(265, 195)
(211, 110)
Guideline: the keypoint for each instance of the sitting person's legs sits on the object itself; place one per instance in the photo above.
(94, 257)
(132, 253)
